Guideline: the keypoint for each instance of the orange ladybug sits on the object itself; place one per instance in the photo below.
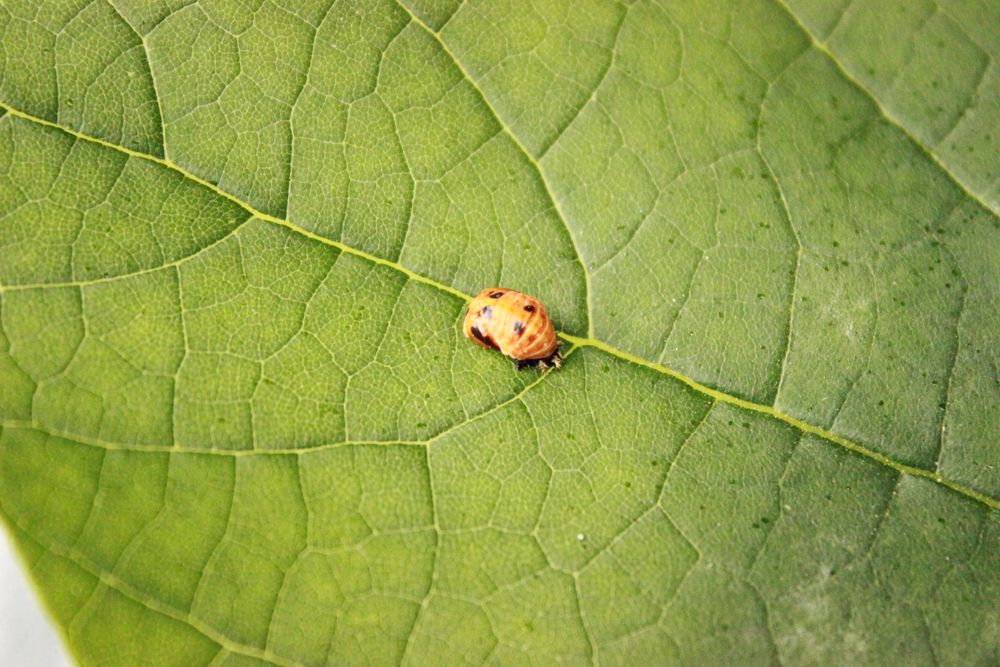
(514, 323)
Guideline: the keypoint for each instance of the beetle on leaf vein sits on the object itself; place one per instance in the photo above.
(515, 324)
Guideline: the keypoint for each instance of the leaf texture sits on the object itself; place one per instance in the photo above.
(240, 424)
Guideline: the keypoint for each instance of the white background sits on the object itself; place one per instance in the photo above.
(27, 637)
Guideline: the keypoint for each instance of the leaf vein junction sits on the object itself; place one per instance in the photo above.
(588, 341)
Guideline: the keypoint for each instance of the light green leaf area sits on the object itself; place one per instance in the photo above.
(241, 425)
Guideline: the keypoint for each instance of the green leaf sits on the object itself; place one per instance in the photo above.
(240, 423)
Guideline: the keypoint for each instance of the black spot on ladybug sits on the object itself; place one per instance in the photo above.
(487, 312)
(496, 295)
(518, 327)
(485, 340)
(529, 308)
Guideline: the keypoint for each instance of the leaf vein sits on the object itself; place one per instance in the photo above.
(588, 341)
(885, 113)
(114, 583)
(527, 155)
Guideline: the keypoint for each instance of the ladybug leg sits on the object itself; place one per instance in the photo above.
(553, 361)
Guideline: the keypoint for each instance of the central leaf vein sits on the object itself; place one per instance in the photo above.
(588, 341)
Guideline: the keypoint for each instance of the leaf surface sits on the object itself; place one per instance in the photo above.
(240, 424)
